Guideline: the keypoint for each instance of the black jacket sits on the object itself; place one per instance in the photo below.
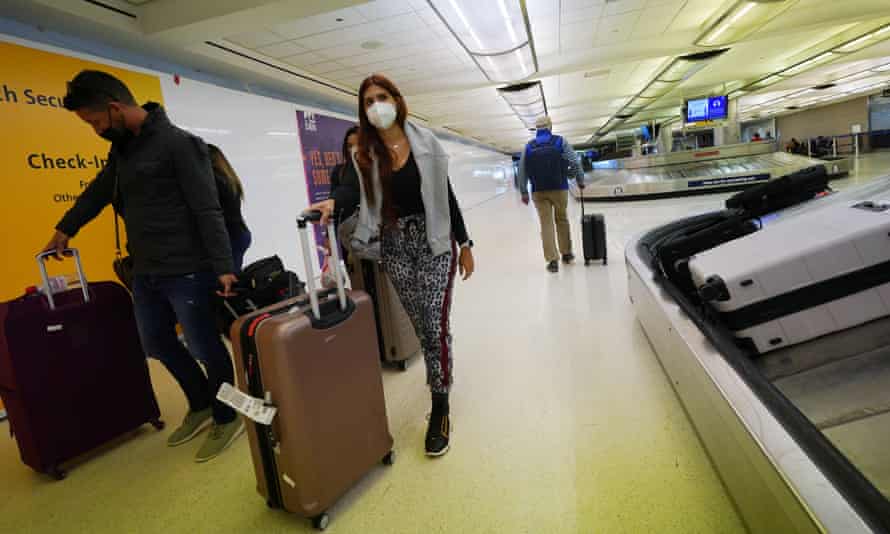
(167, 198)
(344, 190)
(230, 203)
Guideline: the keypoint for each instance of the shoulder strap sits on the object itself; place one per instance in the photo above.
(117, 232)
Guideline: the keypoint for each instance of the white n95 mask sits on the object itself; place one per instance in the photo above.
(382, 114)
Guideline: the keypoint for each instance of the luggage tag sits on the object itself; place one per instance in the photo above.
(251, 407)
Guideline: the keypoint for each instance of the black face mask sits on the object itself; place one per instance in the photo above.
(114, 134)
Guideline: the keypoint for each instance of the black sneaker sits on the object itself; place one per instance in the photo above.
(568, 258)
(553, 266)
(437, 435)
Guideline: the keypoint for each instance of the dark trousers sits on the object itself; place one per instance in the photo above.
(162, 301)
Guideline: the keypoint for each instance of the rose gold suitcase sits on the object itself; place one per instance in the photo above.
(398, 342)
(314, 358)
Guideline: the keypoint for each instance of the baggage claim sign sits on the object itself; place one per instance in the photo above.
(49, 156)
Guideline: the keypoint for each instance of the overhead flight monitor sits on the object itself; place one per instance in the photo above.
(706, 109)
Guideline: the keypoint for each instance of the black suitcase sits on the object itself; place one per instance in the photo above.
(260, 284)
(782, 192)
(593, 236)
(673, 251)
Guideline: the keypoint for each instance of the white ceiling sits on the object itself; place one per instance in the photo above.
(593, 54)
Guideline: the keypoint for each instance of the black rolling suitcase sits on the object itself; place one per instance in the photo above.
(781, 193)
(593, 236)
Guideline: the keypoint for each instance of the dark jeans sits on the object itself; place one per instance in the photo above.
(240, 242)
(161, 302)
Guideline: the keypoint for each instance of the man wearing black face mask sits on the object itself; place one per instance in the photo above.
(159, 179)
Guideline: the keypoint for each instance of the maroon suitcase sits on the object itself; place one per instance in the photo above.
(72, 372)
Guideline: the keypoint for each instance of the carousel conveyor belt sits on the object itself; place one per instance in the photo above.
(694, 177)
(800, 436)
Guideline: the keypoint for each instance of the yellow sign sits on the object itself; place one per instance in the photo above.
(47, 157)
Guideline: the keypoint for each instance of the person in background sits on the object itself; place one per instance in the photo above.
(344, 181)
(769, 135)
(406, 196)
(231, 195)
(160, 180)
(548, 162)
(756, 137)
(345, 192)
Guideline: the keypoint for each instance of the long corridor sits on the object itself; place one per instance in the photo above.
(563, 420)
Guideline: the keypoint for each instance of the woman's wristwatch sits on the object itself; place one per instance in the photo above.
(467, 244)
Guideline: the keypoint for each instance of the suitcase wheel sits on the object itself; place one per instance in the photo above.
(586, 262)
(402, 365)
(58, 473)
(390, 458)
(321, 522)
(158, 424)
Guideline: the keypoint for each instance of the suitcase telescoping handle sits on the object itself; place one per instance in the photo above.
(41, 264)
(303, 225)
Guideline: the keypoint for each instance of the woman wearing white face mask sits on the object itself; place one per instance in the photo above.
(406, 200)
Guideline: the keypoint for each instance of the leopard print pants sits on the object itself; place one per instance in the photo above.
(424, 283)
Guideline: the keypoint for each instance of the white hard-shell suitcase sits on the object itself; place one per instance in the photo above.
(800, 278)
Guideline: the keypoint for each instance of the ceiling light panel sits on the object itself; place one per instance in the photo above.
(743, 18)
(866, 40)
(526, 100)
(495, 33)
(824, 57)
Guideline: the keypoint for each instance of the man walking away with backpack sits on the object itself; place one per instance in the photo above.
(548, 162)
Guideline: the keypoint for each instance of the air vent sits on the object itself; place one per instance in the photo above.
(703, 56)
(793, 107)
(624, 116)
(824, 86)
(111, 8)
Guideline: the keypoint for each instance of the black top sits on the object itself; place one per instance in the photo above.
(344, 190)
(409, 201)
(167, 198)
(406, 189)
(231, 206)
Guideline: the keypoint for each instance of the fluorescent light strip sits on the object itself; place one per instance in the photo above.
(463, 19)
(852, 44)
(506, 16)
(718, 31)
(769, 80)
(800, 67)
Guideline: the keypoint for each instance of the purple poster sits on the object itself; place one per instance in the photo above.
(322, 139)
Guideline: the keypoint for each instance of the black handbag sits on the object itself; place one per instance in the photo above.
(123, 265)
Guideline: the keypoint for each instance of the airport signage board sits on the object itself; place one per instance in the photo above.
(729, 180)
(49, 158)
(321, 137)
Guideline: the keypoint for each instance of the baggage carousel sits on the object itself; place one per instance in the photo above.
(711, 170)
(799, 436)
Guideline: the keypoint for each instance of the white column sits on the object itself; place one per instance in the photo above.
(665, 141)
(731, 132)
